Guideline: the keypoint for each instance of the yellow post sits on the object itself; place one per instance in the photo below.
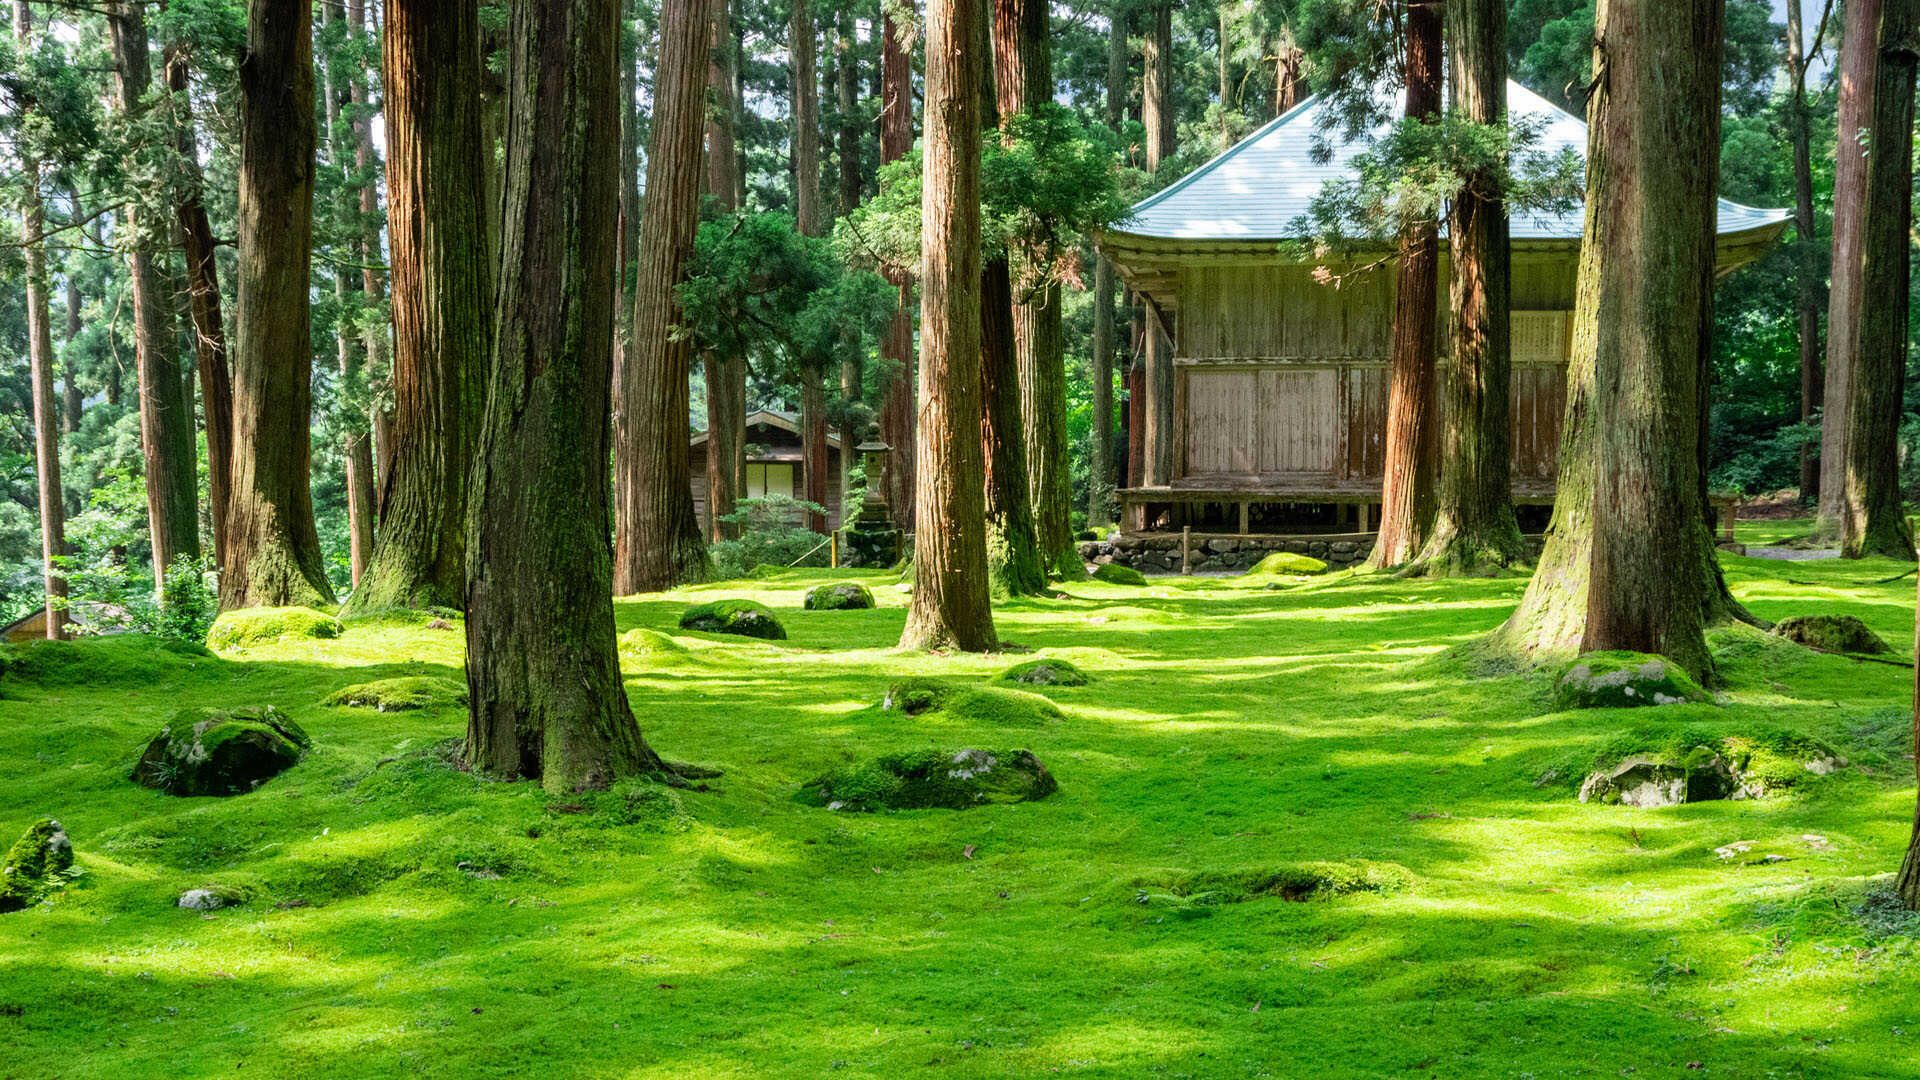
(833, 549)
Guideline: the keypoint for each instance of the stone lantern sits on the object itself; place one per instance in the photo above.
(873, 540)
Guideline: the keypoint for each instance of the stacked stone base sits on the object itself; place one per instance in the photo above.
(1159, 553)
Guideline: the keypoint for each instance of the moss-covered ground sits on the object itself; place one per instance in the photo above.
(1178, 908)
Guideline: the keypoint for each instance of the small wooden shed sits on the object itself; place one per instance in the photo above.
(774, 463)
(1279, 387)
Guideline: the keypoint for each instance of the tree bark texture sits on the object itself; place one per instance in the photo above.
(1407, 495)
(543, 675)
(1100, 480)
(373, 284)
(726, 375)
(166, 412)
(1474, 525)
(46, 421)
(203, 301)
(896, 348)
(950, 608)
(658, 543)
(273, 550)
(1157, 112)
(1809, 273)
(813, 442)
(805, 88)
(1859, 65)
(1156, 96)
(846, 72)
(442, 300)
(356, 449)
(1873, 520)
(1629, 561)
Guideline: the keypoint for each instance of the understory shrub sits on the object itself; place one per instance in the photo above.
(773, 532)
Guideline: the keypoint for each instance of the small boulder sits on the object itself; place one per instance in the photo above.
(401, 695)
(983, 706)
(1044, 672)
(34, 865)
(1613, 680)
(1115, 574)
(1832, 633)
(1287, 562)
(746, 618)
(211, 899)
(933, 779)
(1637, 781)
(644, 642)
(914, 696)
(220, 751)
(244, 627)
(839, 596)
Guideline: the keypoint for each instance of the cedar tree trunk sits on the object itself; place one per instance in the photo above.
(896, 349)
(356, 449)
(1808, 273)
(46, 430)
(1858, 69)
(726, 375)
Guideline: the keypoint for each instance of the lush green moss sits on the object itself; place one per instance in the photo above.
(246, 627)
(642, 641)
(933, 779)
(1044, 672)
(748, 618)
(918, 695)
(1286, 563)
(1286, 881)
(36, 864)
(1116, 574)
(398, 695)
(135, 660)
(1618, 680)
(839, 596)
(980, 706)
(220, 751)
(1833, 633)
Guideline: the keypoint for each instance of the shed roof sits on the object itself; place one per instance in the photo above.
(1255, 189)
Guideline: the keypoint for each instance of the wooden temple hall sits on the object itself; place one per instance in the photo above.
(1263, 406)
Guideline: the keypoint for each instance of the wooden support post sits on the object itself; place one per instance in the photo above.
(1186, 546)
(1244, 529)
(833, 549)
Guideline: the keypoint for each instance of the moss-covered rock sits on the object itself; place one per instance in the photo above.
(1666, 765)
(1203, 889)
(402, 694)
(1833, 633)
(140, 660)
(644, 642)
(839, 596)
(243, 627)
(914, 696)
(981, 706)
(214, 897)
(1115, 574)
(220, 751)
(1044, 672)
(933, 779)
(35, 865)
(747, 618)
(1286, 563)
(1614, 680)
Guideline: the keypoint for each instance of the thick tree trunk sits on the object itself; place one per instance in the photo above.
(356, 444)
(203, 284)
(1474, 526)
(1156, 96)
(166, 413)
(896, 349)
(1873, 521)
(1629, 562)
(1100, 466)
(950, 608)
(1809, 274)
(46, 422)
(1023, 79)
(804, 86)
(1157, 112)
(273, 550)
(442, 300)
(1858, 68)
(813, 443)
(847, 156)
(726, 375)
(373, 284)
(1407, 495)
(1288, 61)
(658, 544)
(543, 676)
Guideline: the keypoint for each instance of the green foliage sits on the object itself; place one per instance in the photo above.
(771, 534)
(244, 628)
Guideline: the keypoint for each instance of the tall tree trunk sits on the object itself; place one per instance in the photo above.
(1013, 540)
(813, 443)
(73, 401)
(1023, 79)
(805, 89)
(1288, 62)
(950, 608)
(1157, 112)
(373, 284)
(203, 303)
(1908, 882)
(846, 103)
(1629, 562)
(166, 413)
(442, 300)
(1874, 521)
(1223, 71)
(896, 349)
(1809, 274)
(1858, 69)
(543, 676)
(1474, 525)
(356, 444)
(657, 543)
(1407, 496)
(1100, 450)
(273, 551)
(46, 422)
(726, 375)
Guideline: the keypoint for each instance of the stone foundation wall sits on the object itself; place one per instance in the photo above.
(1159, 553)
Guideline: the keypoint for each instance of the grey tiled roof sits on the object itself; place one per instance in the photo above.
(1257, 188)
